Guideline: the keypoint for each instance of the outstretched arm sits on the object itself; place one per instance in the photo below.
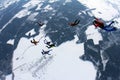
(75, 21)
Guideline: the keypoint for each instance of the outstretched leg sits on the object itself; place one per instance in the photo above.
(49, 51)
(75, 21)
(110, 24)
(78, 22)
(110, 29)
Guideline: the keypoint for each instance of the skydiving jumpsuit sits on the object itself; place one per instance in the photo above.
(98, 23)
(109, 27)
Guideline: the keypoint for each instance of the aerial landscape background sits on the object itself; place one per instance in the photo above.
(82, 52)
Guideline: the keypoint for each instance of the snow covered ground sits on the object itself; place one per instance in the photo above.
(64, 62)
(93, 33)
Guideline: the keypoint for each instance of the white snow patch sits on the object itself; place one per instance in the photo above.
(67, 1)
(105, 59)
(8, 77)
(31, 32)
(24, 76)
(52, 1)
(93, 33)
(39, 6)
(47, 8)
(23, 13)
(117, 24)
(114, 4)
(107, 11)
(31, 4)
(11, 41)
(32, 16)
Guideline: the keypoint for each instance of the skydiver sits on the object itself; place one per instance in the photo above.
(76, 22)
(49, 44)
(40, 23)
(99, 23)
(45, 52)
(34, 42)
(29, 34)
